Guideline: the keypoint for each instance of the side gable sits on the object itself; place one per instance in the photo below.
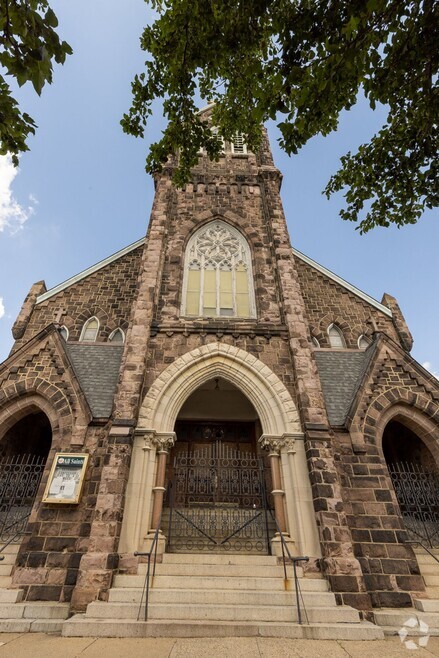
(329, 299)
(105, 290)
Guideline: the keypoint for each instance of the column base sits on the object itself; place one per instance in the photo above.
(276, 545)
(147, 542)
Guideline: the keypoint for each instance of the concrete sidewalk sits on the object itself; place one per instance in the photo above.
(38, 645)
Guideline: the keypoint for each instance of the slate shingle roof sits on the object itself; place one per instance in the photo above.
(97, 369)
(341, 374)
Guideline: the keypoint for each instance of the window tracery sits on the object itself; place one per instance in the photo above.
(218, 274)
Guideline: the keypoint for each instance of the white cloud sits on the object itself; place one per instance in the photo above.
(2, 308)
(429, 366)
(12, 214)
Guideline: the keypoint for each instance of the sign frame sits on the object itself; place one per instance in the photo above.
(55, 492)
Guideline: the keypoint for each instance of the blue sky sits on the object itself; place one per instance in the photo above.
(82, 193)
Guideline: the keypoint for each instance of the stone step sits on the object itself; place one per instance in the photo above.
(6, 569)
(31, 625)
(220, 570)
(220, 612)
(220, 582)
(219, 558)
(240, 597)
(8, 558)
(11, 595)
(427, 605)
(5, 581)
(429, 569)
(80, 626)
(34, 610)
(410, 619)
(430, 581)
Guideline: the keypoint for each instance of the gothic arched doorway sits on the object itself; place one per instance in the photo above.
(217, 475)
(24, 449)
(415, 478)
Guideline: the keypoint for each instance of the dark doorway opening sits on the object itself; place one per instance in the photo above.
(415, 479)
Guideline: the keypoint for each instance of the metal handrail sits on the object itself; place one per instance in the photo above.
(295, 560)
(419, 543)
(17, 534)
(153, 549)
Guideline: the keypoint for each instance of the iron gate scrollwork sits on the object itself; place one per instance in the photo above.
(217, 501)
(417, 491)
(20, 477)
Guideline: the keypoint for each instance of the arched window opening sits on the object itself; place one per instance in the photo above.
(415, 478)
(315, 342)
(335, 336)
(64, 332)
(90, 330)
(363, 343)
(117, 336)
(23, 455)
(218, 280)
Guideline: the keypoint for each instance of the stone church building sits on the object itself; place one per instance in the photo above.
(231, 393)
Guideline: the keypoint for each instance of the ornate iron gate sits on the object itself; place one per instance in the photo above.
(417, 491)
(20, 477)
(217, 501)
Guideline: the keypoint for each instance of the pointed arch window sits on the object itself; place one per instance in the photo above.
(335, 336)
(64, 332)
(117, 336)
(218, 278)
(363, 342)
(90, 330)
(315, 342)
(238, 146)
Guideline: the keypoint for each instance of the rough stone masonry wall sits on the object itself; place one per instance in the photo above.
(327, 302)
(391, 572)
(108, 294)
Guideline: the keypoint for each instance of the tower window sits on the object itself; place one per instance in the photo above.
(335, 336)
(218, 280)
(90, 330)
(239, 147)
(64, 332)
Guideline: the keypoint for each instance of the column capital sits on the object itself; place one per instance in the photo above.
(277, 443)
(162, 441)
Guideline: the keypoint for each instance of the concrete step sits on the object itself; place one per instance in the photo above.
(34, 610)
(209, 558)
(220, 582)
(220, 612)
(6, 569)
(220, 570)
(241, 597)
(5, 581)
(430, 581)
(427, 605)
(412, 620)
(80, 626)
(31, 625)
(10, 595)
(8, 558)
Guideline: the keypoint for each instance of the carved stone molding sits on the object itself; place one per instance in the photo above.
(276, 444)
(162, 441)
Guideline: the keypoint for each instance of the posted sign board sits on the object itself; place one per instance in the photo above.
(66, 478)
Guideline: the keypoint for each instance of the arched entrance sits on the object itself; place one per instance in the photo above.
(277, 428)
(415, 477)
(24, 449)
(217, 475)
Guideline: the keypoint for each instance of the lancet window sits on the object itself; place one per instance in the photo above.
(218, 279)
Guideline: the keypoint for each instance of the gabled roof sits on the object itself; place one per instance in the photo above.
(340, 373)
(97, 369)
(323, 270)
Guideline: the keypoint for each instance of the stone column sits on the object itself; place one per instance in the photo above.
(163, 443)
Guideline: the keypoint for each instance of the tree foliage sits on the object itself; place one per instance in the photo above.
(28, 44)
(301, 62)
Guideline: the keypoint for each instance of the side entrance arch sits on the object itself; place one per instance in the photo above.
(411, 450)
